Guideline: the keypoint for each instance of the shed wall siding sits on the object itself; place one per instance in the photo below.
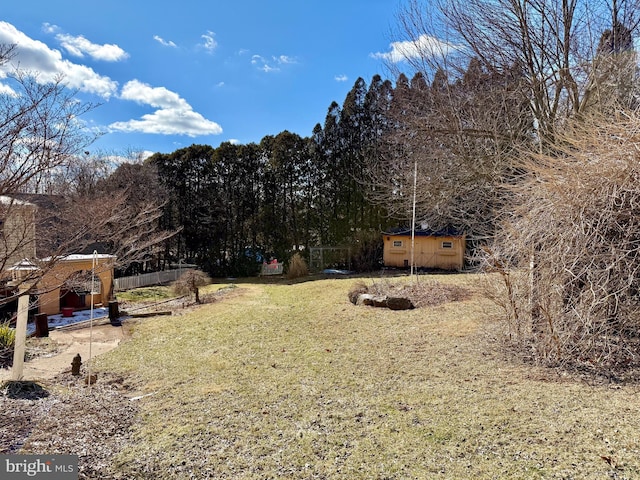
(429, 252)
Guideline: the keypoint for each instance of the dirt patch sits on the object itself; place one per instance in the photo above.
(48, 357)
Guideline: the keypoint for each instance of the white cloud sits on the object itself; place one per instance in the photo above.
(270, 65)
(162, 41)
(155, 96)
(234, 141)
(35, 56)
(262, 64)
(424, 46)
(284, 59)
(209, 43)
(79, 46)
(174, 116)
(341, 78)
(7, 90)
(48, 28)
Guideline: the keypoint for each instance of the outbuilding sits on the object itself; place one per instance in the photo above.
(434, 250)
(76, 282)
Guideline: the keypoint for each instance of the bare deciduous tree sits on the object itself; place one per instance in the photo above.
(494, 78)
(40, 133)
(568, 52)
(190, 283)
(565, 192)
(569, 251)
(458, 137)
(43, 146)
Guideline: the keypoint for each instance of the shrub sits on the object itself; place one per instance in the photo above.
(367, 251)
(190, 283)
(7, 336)
(568, 254)
(297, 267)
(7, 342)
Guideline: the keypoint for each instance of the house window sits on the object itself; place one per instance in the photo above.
(447, 245)
(397, 243)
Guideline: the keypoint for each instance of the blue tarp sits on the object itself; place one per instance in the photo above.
(335, 271)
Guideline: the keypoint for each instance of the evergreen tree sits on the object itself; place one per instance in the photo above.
(193, 205)
(286, 184)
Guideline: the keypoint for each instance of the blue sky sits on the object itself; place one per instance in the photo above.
(171, 74)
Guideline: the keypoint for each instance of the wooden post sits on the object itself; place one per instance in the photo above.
(413, 218)
(114, 313)
(21, 335)
(42, 325)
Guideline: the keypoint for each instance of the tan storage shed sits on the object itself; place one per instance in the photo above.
(442, 250)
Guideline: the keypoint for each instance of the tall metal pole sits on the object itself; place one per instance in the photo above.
(413, 218)
(93, 292)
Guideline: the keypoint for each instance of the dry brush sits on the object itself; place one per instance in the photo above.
(569, 253)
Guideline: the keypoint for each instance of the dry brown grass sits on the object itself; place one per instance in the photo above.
(293, 381)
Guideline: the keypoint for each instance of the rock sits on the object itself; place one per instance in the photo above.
(394, 303)
(380, 302)
(371, 300)
(399, 303)
(364, 299)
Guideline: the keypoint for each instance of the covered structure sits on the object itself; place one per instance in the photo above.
(74, 281)
(71, 281)
(434, 250)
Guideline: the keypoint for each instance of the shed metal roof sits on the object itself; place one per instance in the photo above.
(422, 232)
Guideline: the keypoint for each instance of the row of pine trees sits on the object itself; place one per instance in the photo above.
(237, 205)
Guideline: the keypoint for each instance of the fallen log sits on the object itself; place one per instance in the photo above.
(149, 314)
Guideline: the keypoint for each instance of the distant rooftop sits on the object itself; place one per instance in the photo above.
(77, 257)
(4, 200)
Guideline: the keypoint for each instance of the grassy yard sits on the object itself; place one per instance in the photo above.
(293, 381)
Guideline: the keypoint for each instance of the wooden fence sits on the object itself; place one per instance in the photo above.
(147, 279)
